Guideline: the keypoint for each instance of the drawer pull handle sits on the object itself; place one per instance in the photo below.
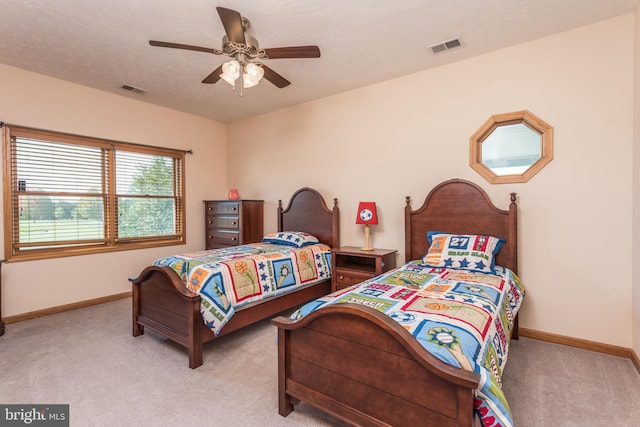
(341, 277)
(209, 237)
(234, 223)
(234, 238)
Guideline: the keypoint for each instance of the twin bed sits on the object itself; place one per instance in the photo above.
(165, 302)
(342, 354)
(369, 368)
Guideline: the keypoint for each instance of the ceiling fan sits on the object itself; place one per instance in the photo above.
(245, 51)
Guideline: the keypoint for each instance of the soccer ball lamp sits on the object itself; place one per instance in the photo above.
(367, 215)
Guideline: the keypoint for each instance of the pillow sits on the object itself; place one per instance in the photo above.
(297, 239)
(467, 251)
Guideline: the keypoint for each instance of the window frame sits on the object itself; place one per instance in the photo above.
(526, 118)
(110, 242)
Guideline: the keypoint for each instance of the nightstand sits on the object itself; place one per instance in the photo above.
(351, 265)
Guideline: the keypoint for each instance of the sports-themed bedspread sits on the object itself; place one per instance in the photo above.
(229, 278)
(463, 317)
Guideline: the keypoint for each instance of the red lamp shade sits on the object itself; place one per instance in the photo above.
(367, 213)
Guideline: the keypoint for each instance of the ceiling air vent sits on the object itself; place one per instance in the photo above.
(133, 89)
(441, 47)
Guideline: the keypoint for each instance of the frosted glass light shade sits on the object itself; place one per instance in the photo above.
(253, 74)
(230, 72)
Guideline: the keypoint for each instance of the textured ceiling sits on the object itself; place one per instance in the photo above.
(104, 43)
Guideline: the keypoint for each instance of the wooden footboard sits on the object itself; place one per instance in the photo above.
(162, 303)
(363, 368)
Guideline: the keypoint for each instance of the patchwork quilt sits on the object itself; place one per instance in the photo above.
(229, 278)
(463, 317)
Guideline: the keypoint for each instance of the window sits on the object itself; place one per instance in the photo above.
(69, 195)
(511, 147)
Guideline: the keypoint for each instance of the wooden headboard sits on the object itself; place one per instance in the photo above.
(461, 207)
(308, 212)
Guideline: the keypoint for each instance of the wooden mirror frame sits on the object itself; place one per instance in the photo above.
(525, 117)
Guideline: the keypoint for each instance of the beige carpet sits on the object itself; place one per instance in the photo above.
(88, 359)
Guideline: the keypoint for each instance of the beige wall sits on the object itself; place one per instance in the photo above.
(33, 100)
(404, 136)
(636, 189)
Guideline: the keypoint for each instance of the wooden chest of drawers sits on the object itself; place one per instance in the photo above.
(233, 222)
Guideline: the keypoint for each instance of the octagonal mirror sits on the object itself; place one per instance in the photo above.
(511, 147)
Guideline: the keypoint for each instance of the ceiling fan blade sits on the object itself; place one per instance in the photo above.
(214, 76)
(293, 52)
(185, 46)
(274, 77)
(232, 22)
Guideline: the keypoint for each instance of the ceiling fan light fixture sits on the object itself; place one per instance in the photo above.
(243, 48)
